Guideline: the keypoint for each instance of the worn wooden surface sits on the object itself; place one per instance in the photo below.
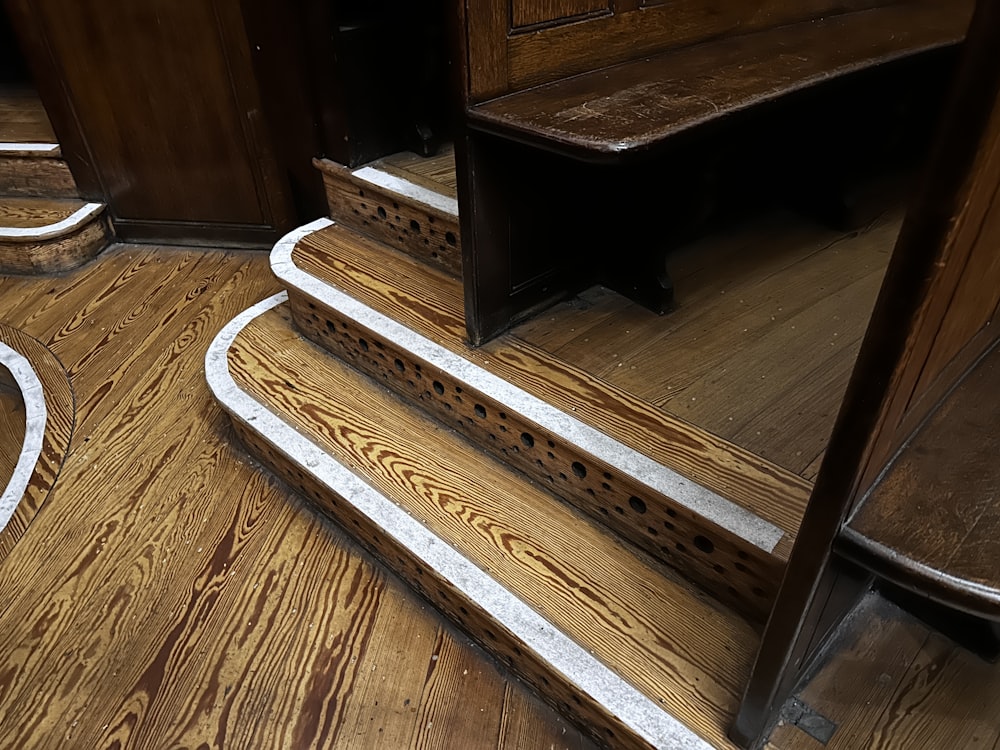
(35, 212)
(61, 252)
(172, 593)
(431, 303)
(932, 523)
(22, 116)
(889, 682)
(643, 621)
(436, 172)
(768, 323)
(60, 410)
(639, 105)
(11, 425)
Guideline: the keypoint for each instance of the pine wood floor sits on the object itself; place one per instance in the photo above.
(170, 594)
(11, 425)
(22, 116)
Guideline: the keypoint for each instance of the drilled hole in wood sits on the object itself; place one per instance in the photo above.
(638, 505)
(363, 344)
(450, 238)
(704, 544)
(619, 510)
(480, 411)
(415, 225)
(579, 469)
(381, 212)
(399, 365)
(680, 547)
(438, 388)
(671, 512)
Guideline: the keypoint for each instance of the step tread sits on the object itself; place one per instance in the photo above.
(631, 614)
(431, 303)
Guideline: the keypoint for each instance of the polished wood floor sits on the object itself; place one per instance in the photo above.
(769, 320)
(171, 594)
(22, 116)
(11, 425)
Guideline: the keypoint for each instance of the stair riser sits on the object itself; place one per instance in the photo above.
(492, 635)
(22, 176)
(57, 254)
(734, 570)
(419, 230)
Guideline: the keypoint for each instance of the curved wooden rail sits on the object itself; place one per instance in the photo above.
(49, 416)
(932, 525)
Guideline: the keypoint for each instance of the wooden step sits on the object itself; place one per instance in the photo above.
(711, 510)
(611, 638)
(42, 235)
(406, 201)
(35, 170)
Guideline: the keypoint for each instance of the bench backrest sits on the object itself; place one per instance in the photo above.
(515, 44)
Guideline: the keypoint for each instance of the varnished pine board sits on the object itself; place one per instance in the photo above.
(891, 683)
(26, 176)
(436, 172)
(169, 593)
(11, 425)
(22, 117)
(35, 212)
(60, 420)
(406, 212)
(639, 620)
(759, 350)
(431, 303)
(60, 247)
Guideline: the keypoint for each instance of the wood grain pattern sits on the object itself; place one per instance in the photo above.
(168, 592)
(889, 682)
(11, 425)
(644, 623)
(60, 422)
(22, 116)
(768, 323)
(640, 104)
(536, 12)
(56, 254)
(932, 523)
(35, 212)
(433, 172)
(432, 304)
(26, 176)
(420, 230)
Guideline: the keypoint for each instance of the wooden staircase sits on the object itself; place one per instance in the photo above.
(618, 559)
(44, 226)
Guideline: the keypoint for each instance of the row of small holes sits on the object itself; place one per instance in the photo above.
(381, 215)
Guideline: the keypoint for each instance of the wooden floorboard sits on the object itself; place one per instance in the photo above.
(640, 619)
(22, 116)
(435, 172)
(769, 320)
(35, 212)
(170, 593)
(889, 682)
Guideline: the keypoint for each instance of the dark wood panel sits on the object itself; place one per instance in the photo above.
(533, 12)
(165, 100)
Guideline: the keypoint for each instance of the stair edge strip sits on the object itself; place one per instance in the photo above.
(10, 148)
(717, 509)
(35, 419)
(419, 193)
(590, 676)
(49, 231)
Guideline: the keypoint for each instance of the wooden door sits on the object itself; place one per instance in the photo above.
(159, 114)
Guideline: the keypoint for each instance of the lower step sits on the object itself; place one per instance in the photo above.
(35, 169)
(617, 642)
(40, 235)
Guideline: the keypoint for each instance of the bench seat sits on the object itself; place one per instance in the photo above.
(932, 525)
(631, 109)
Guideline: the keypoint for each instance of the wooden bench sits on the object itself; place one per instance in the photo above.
(932, 523)
(576, 90)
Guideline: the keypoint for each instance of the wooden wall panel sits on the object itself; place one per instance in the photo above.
(163, 95)
(535, 12)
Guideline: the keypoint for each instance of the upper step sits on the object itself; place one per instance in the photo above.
(720, 515)
(619, 642)
(405, 201)
(31, 162)
(42, 235)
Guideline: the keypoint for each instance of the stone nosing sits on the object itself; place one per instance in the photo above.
(52, 231)
(640, 714)
(425, 196)
(710, 505)
(35, 418)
